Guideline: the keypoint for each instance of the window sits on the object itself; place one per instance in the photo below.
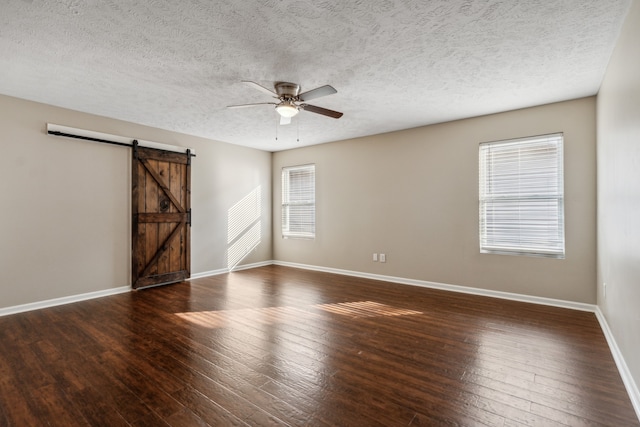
(299, 201)
(522, 197)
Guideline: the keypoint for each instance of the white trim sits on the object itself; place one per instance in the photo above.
(226, 270)
(116, 138)
(625, 373)
(61, 301)
(208, 273)
(6, 311)
(453, 288)
(250, 266)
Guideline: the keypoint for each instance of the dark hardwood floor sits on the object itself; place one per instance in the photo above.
(282, 346)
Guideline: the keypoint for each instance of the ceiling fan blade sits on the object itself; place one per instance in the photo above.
(260, 88)
(285, 120)
(320, 110)
(317, 93)
(251, 105)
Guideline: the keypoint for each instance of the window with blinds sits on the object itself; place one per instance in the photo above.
(522, 197)
(299, 201)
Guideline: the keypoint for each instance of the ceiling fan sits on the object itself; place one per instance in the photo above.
(291, 101)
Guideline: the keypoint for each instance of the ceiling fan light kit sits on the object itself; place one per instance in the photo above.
(287, 109)
(291, 101)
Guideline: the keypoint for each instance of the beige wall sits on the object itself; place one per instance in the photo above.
(619, 193)
(413, 195)
(65, 221)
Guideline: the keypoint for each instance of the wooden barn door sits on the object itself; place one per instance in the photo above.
(161, 199)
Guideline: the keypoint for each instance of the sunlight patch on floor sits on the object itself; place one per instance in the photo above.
(272, 315)
(365, 309)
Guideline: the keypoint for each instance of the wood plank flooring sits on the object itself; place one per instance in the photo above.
(277, 346)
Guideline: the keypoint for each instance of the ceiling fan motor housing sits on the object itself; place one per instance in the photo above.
(287, 90)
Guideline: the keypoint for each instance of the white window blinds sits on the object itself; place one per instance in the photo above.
(299, 201)
(522, 196)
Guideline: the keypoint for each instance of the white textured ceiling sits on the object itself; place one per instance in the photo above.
(396, 64)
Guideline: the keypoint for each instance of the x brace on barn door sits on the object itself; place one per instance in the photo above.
(161, 221)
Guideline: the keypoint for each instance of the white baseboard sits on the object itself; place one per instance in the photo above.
(226, 270)
(97, 294)
(625, 373)
(250, 266)
(208, 273)
(61, 301)
(446, 287)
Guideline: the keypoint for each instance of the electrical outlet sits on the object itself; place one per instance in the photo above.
(383, 258)
(375, 257)
(604, 287)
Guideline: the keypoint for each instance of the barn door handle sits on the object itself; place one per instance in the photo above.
(189, 217)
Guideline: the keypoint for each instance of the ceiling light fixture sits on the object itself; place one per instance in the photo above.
(287, 109)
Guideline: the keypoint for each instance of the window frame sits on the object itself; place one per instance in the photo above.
(287, 204)
(533, 222)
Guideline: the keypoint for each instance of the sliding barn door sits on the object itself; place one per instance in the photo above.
(161, 216)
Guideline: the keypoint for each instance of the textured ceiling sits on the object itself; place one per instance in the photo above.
(396, 64)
